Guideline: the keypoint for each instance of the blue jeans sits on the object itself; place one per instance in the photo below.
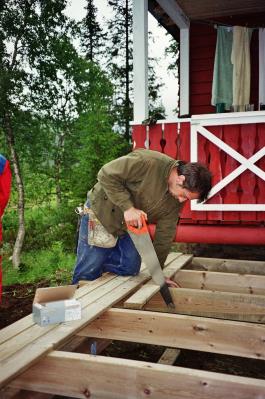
(92, 261)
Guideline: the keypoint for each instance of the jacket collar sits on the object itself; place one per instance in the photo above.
(172, 164)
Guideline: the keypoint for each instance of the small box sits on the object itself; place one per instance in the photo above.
(55, 305)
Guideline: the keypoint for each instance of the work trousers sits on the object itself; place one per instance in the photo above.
(92, 261)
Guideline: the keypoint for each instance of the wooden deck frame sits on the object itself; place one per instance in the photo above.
(30, 356)
(104, 377)
(180, 331)
(219, 281)
(148, 290)
(217, 304)
(228, 265)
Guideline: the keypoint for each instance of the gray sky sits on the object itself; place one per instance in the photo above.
(76, 10)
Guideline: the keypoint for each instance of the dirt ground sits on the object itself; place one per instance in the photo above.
(191, 359)
(17, 303)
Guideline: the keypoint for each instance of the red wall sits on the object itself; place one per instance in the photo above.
(215, 227)
(202, 52)
(173, 139)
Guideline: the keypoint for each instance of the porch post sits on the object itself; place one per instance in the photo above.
(184, 86)
(175, 12)
(140, 59)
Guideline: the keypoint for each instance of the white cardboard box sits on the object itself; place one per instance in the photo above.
(55, 305)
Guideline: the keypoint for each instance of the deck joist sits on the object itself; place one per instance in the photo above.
(219, 309)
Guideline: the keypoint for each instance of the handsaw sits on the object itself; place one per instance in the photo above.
(143, 243)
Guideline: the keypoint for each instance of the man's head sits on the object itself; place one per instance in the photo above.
(189, 180)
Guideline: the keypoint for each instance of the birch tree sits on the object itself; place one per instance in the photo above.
(28, 29)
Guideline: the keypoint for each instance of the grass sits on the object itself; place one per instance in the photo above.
(53, 265)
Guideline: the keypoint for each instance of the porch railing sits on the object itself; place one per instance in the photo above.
(233, 147)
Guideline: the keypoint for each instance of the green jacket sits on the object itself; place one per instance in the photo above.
(139, 179)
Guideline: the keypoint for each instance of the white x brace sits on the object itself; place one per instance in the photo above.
(197, 128)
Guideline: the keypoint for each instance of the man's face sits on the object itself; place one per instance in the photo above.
(176, 189)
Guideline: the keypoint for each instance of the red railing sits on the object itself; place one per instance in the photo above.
(173, 139)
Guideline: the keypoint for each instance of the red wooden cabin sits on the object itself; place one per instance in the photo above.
(232, 144)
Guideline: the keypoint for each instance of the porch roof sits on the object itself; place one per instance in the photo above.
(201, 10)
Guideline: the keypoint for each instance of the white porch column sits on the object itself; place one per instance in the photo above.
(184, 84)
(175, 12)
(140, 59)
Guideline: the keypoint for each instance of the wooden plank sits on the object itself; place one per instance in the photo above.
(27, 322)
(80, 344)
(216, 281)
(225, 305)
(141, 297)
(261, 165)
(31, 351)
(231, 193)
(28, 336)
(183, 142)
(155, 137)
(138, 136)
(15, 328)
(12, 393)
(228, 265)
(204, 155)
(170, 258)
(170, 139)
(112, 378)
(87, 294)
(248, 178)
(180, 331)
(215, 166)
(96, 283)
(169, 356)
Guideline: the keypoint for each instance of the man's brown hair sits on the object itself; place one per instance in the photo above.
(198, 178)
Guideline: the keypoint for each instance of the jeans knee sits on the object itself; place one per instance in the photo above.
(88, 276)
(134, 264)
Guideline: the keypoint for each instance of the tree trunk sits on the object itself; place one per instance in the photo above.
(20, 189)
(58, 167)
(58, 180)
(91, 35)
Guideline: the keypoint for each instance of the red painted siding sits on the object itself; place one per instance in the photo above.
(202, 53)
(174, 140)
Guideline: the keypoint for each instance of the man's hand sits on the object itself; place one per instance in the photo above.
(132, 217)
(172, 283)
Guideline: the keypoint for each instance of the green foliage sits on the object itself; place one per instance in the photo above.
(28, 31)
(91, 33)
(172, 52)
(63, 113)
(44, 226)
(120, 62)
(120, 66)
(53, 265)
(95, 144)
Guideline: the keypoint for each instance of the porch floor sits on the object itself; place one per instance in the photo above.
(219, 310)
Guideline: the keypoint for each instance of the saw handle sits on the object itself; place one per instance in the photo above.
(137, 230)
